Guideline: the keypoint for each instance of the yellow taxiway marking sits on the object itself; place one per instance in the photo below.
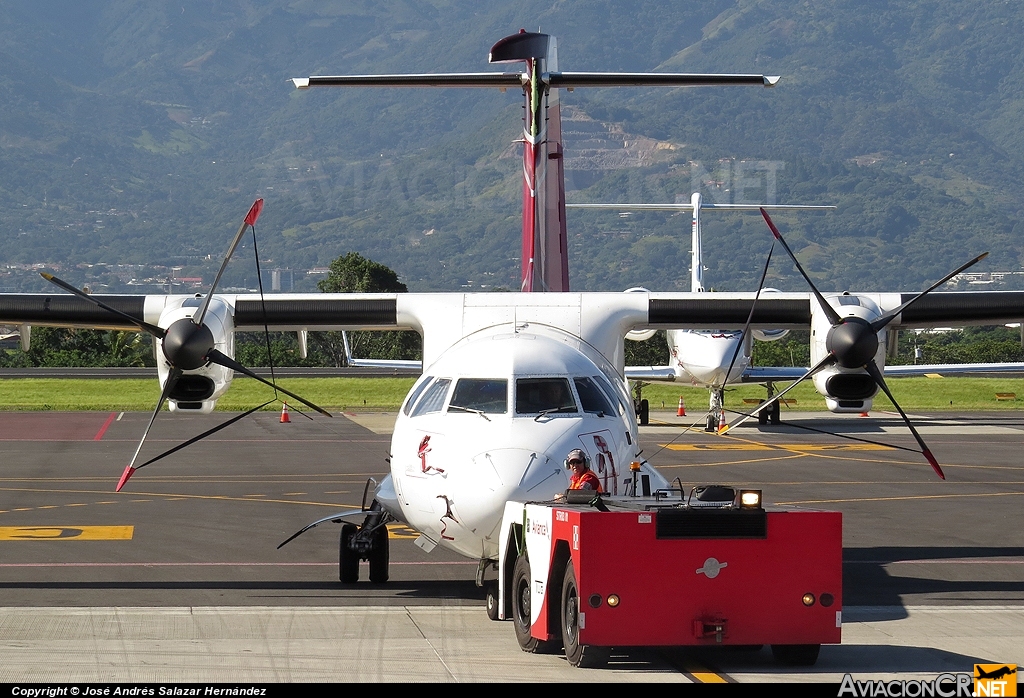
(66, 532)
(751, 446)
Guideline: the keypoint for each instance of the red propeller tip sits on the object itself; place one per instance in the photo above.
(771, 225)
(124, 477)
(254, 212)
(934, 463)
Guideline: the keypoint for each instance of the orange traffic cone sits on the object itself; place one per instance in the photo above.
(285, 419)
(681, 412)
(864, 414)
(721, 421)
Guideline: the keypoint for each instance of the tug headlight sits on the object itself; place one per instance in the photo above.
(613, 600)
(750, 499)
(808, 599)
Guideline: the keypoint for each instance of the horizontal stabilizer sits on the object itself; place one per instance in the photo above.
(499, 80)
(703, 206)
(506, 80)
(573, 80)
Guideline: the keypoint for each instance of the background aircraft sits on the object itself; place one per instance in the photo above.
(711, 357)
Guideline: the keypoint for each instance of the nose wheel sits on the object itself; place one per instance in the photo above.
(366, 542)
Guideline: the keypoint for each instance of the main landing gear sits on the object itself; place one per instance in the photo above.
(772, 414)
(641, 406)
(368, 541)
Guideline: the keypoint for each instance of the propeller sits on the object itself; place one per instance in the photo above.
(852, 342)
(188, 344)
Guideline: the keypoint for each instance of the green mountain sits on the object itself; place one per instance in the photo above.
(139, 133)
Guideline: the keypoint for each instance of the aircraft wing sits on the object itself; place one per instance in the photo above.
(763, 374)
(319, 312)
(651, 373)
(980, 370)
(760, 374)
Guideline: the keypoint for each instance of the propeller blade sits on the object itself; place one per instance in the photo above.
(222, 359)
(158, 332)
(830, 312)
(750, 317)
(828, 360)
(172, 380)
(887, 318)
(874, 372)
(202, 436)
(250, 219)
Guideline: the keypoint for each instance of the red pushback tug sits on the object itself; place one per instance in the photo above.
(711, 567)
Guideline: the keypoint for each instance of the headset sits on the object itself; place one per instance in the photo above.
(586, 461)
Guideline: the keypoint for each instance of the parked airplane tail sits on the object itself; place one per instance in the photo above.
(545, 264)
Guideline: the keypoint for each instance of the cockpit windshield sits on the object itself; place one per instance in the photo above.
(488, 395)
(535, 395)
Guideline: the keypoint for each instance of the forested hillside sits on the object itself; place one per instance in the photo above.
(139, 133)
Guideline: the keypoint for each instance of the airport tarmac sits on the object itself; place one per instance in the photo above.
(178, 578)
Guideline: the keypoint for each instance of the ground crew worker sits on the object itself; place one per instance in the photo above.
(583, 478)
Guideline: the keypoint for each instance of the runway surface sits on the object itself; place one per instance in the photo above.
(178, 577)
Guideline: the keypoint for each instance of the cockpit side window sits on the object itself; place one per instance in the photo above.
(415, 394)
(591, 397)
(481, 394)
(610, 393)
(535, 395)
(433, 398)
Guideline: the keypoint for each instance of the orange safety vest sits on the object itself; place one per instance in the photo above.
(586, 481)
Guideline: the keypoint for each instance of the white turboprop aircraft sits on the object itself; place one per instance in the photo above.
(710, 358)
(512, 381)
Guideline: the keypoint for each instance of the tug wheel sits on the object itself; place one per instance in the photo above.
(577, 654)
(521, 608)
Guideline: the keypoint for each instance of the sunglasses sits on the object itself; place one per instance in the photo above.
(575, 462)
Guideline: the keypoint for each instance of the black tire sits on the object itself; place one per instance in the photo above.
(586, 656)
(491, 593)
(762, 415)
(379, 556)
(348, 560)
(776, 413)
(645, 413)
(712, 425)
(796, 655)
(521, 603)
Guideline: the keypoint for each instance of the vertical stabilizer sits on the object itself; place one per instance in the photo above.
(545, 265)
(696, 262)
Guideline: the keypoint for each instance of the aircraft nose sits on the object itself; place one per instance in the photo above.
(509, 474)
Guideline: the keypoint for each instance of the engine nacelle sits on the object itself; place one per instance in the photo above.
(769, 335)
(198, 390)
(845, 389)
(639, 335)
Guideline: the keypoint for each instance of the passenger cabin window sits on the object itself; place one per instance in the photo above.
(415, 394)
(433, 398)
(592, 398)
(535, 395)
(488, 395)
